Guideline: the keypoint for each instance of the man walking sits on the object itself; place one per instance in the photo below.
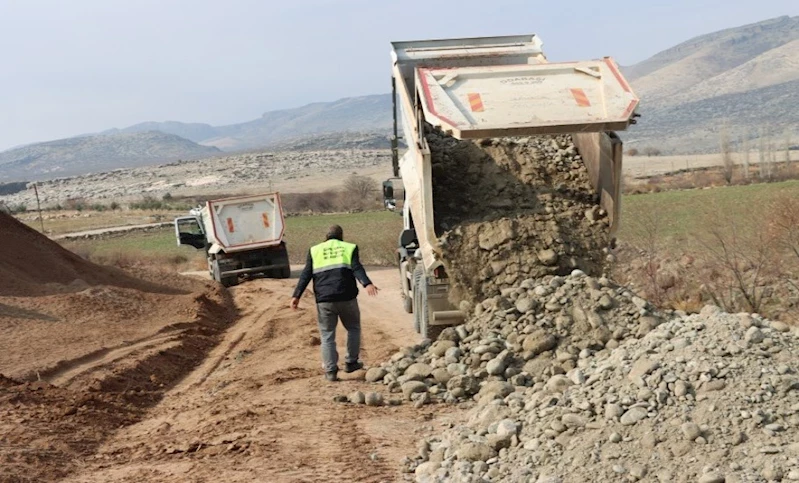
(334, 266)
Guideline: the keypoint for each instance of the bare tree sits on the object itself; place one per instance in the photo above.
(646, 237)
(652, 151)
(742, 254)
(727, 163)
(359, 191)
(762, 154)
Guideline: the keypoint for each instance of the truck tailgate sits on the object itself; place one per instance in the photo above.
(247, 222)
(526, 99)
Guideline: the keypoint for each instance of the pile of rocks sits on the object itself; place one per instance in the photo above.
(709, 398)
(516, 208)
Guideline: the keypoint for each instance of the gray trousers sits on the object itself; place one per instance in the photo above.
(328, 315)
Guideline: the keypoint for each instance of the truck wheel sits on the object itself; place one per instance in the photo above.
(407, 304)
(285, 272)
(416, 281)
(225, 281)
(425, 329)
(407, 301)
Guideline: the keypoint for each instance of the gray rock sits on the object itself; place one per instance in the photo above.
(441, 375)
(374, 399)
(468, 384)
(375, 374)
(691, 431)
(637, 470)
(496, 366)
(525, 304)
(472, 451)
(779, 326)
(643, 367)
(419, 370)
(439, 347)
(613, 411)
(412, 387)
(539, 342)
(614, 438)
(573, 421)
(357, 397)
(559, 383)
(606, 302)
(632, 416)
(548, 257)
(496, 390)
(712, 477)
(507, 427)
(754, 336)
(680, 388)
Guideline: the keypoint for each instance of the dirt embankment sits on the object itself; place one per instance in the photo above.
(511, 209)
(85, 349)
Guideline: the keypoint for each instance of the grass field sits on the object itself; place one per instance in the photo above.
(682, 214)
(375, 232)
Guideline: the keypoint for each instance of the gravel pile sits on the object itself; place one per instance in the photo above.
(708, 398)
(515, 208)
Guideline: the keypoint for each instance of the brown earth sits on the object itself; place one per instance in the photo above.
(158, 377)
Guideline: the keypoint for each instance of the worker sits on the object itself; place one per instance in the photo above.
(334, 267)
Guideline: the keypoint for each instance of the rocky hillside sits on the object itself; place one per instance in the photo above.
(66, 157)
(746, 78)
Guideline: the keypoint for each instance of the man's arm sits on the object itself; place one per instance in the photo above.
(305, 277)
(360, 274)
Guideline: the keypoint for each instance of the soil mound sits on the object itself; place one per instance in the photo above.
(514, 208)
(33, 265)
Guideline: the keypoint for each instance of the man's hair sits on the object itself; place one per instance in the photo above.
(335, 232)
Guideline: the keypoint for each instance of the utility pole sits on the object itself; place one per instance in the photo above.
(38, 206)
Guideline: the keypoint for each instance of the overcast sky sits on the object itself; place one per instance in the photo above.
(75, 66)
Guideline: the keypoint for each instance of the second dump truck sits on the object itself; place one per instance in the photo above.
(240, 236)
(491, 87)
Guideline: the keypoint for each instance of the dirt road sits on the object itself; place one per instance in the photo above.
(258, 409)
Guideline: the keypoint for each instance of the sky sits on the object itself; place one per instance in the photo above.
(70, 67)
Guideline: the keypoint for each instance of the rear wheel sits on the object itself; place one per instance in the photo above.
(425, 329)
(227, 281)
(415, 301)
(407, 301)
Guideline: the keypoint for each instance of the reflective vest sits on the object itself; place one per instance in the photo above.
(332, 254)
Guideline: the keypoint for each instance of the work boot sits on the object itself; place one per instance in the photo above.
(331, 376)
(353, 366)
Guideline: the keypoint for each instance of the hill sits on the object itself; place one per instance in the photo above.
(79, 155)
(744, 78)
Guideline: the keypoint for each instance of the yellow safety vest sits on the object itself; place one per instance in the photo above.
(331, 255)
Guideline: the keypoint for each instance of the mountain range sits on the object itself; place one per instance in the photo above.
(743, 80)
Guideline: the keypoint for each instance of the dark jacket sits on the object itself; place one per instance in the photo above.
(336, 285)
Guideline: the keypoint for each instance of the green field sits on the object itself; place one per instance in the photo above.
(375, 232)
(682, 214)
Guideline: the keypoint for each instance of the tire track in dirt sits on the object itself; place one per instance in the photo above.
(258, 408)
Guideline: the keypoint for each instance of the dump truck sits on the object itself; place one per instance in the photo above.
(241, 236)
(493, 87)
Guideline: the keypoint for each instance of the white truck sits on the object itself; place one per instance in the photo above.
(488, 88)
(240, 236)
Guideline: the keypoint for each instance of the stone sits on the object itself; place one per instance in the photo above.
(712, 477)
(606, 302)
(496, 390)
(419, 370)
(613, 411)
(439, 347)
(472, 451)
(614, 438)
(441, 375)
(691, 431)
(375, 374)
(772, 472)
(779, 326)
(642, 368)
(754, 336)
(357, 397)
(680, 388)
(468, 384)
(507, 427)
(714, 385)
(637, 470)
(496, 366)
(633, 415)
(539, 342)
(559, 383)
(573, 421)
(525, 304)
(548, 257)
(412, 387)
(498, 442)
(374, 399)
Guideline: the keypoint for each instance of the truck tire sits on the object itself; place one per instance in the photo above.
(425, 329)
(228, 281)
(407, 301)
(416, 280)
(285, 272)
